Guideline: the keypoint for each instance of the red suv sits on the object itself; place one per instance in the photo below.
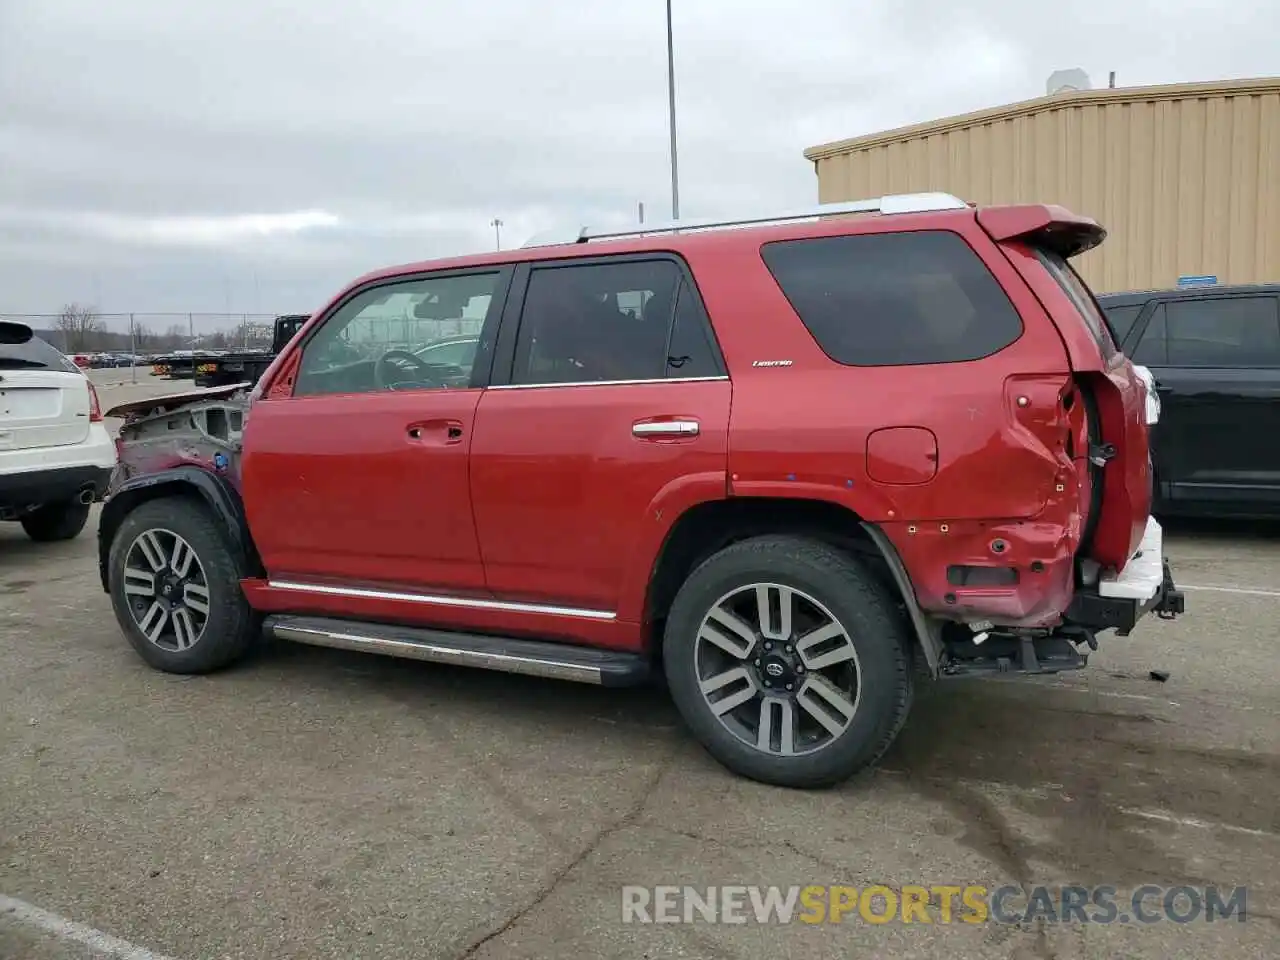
(791, 465)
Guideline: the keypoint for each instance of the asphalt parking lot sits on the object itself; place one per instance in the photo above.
(318, 804)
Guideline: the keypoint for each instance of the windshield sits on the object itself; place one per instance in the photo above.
(35, 354)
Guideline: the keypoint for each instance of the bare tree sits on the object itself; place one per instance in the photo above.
(144, 338)
(174, 337)
(80, 327)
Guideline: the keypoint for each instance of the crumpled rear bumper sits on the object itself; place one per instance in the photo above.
(1144, 586)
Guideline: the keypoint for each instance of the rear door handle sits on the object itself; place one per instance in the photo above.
(665, 428)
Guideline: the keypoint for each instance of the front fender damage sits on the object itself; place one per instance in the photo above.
(202, 428)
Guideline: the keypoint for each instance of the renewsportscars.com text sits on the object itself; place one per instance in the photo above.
(972, 904)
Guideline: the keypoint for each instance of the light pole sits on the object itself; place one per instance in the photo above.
(497, 232)
(671, 110)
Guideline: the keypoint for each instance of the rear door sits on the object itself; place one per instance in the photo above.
(610, 405)
(1216, 361)
(44, 398)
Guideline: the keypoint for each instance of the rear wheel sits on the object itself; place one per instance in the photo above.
(788, 661)
(56, 521)
(175, 588)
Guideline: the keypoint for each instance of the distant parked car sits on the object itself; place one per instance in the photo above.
(1214, 353)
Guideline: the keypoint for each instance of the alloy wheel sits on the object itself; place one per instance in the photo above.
(166, 589)
(778, 669)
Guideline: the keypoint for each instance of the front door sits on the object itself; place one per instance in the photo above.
(615, 407)
(1216, 361)
(360, 476)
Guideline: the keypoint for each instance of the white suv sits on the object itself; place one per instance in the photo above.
(56, 456)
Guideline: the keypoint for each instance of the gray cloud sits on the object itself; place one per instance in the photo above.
(195, 156)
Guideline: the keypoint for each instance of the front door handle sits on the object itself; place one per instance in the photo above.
(665, 428)
(435, 431)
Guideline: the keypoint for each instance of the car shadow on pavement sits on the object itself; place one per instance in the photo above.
(994, 756)
(20, 557)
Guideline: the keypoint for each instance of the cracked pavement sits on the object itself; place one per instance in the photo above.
(323, 804)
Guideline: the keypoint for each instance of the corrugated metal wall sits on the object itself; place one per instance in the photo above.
(1185, 185)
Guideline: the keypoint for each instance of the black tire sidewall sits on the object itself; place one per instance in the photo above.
(855, 597)
(229, 629)
(56, 521)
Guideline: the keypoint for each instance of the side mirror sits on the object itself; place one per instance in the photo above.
(14, 334)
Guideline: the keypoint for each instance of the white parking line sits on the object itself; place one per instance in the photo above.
(1243, 591)
(60, 927)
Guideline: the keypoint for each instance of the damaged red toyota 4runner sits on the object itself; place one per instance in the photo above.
(794, 466)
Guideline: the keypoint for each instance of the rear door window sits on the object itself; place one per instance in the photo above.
(1122, 319)
(1153, 349)
(691, 352)
(893, 299)
(612, 321)
(1228, 332)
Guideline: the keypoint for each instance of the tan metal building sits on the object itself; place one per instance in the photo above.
(1186, 177)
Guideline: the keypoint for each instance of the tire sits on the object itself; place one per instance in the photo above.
(869, 634)
(56, 521)
(195, 642)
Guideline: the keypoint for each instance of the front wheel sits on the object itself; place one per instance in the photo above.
(175, 588)
(789, 661)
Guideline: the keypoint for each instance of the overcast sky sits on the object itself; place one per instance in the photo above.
(255, 155)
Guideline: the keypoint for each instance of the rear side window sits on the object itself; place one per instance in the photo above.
(1081, 297)
(35, 354)
(1234, 332)
(1122, 319)
(894, 299)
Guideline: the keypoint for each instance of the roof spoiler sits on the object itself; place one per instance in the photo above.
(15, 334)
(1043, 225)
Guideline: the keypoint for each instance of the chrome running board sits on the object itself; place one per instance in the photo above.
(536, 658)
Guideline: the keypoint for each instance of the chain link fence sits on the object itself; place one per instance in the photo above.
(145, 334)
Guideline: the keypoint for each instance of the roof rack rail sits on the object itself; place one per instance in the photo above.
(892, 203)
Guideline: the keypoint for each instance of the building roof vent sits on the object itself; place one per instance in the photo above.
(1063, 81)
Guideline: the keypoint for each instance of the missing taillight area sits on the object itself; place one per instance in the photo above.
(962, 575)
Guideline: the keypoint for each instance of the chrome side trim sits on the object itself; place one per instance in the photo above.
(668, 428)
(600, 383)
(465, 602)
(440, 653)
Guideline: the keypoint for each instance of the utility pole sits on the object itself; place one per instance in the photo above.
(497, 232)
(671, 110)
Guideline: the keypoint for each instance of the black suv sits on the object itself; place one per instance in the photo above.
(1215, 355)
